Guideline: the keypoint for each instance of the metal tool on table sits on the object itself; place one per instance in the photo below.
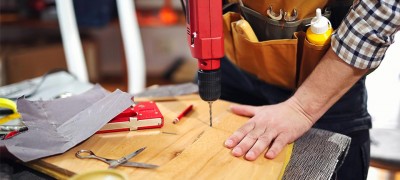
(113, 163)
(206, 42)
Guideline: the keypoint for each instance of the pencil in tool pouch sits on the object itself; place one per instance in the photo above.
(243, 27)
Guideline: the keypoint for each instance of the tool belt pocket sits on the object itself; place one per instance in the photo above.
(282, 62)
(273, 61)
(310, 56)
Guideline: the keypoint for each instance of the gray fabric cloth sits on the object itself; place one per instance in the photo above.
(316, 155)
(170, 90)
(55, 126)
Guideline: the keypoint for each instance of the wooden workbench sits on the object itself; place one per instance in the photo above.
(187, 150)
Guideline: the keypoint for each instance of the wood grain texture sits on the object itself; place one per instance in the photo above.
(189, 149)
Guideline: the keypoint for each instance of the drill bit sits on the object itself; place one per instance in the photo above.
(210, 109)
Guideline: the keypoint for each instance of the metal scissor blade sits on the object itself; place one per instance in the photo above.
(139, 165)
(125, 158)
(130, 156)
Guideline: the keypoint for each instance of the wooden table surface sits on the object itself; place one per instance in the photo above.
(189, 149)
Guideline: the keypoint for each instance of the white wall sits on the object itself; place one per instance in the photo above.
(383, 87)
(163, 46)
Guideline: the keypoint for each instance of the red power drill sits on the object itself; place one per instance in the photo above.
(206, 42)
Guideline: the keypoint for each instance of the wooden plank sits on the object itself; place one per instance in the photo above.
(49, 169)
(189, 149)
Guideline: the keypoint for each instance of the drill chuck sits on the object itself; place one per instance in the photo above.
(209, 84)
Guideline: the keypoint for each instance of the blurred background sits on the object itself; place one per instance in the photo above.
(31, 42)
(31, 45)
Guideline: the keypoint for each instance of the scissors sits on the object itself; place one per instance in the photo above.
(113, 163)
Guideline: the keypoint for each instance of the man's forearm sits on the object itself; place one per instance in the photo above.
(329, 81)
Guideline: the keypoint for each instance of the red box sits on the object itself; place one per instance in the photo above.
(144, 115)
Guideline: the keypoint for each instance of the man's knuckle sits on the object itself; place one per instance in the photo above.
(246, 128)
(241, 130)
(253, 136)
(236, 136)
(265, 138)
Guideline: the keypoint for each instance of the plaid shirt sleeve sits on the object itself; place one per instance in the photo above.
(366, 33)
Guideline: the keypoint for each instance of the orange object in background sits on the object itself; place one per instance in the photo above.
(167, 14)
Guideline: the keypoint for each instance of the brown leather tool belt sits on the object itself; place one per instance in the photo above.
(282, 56)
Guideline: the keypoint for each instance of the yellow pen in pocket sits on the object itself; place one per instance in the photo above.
(244, 28)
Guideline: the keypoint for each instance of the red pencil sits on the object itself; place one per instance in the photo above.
(187, 110)
(14, 133)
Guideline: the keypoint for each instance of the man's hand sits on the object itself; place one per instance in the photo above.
(272, 127)
(275, 126)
